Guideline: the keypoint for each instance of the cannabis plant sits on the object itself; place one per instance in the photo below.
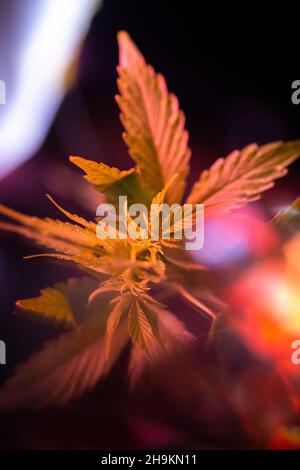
(116, 299)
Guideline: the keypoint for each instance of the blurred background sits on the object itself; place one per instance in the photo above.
(231, 67)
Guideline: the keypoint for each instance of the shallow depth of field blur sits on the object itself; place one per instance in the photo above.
(232, 71)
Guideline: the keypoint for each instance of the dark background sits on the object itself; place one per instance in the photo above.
(231, 67)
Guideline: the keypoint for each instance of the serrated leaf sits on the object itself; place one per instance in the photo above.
(64, 369)
(154, 125)
(98, 174)
(49, 228)
(113, 182)
(241, 177)
(174, 337)
(52, 304)
(72, 364)
(75, 218)
(57, 303)
(157, 142)
(73, 252)
(120, 308)
(72, 242)
(142, 325)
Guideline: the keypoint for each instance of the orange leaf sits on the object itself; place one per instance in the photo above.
(154, 125)
(241, 177)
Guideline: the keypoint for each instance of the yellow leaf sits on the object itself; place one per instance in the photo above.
(100, 175)
(62, 246)
(154, 125)
(53, 228)
(114, 182)
(241, 177)
(52, 304)
(75, 218)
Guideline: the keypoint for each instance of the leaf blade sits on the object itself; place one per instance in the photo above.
(63, 370)
(175, 338)
(100, 175)
(52, 304)
(154, 125)
(114, 318)
(140, 325)
(240, 178)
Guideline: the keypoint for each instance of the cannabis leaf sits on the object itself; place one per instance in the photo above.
(142, 324)
(115, 301)
(173, 336)
(113, 182)
(71, 364)
(52, 304)
(154, 125)
(60, 236)
(100, 175)
(241, 177)
(120, 308)
(66, 368)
